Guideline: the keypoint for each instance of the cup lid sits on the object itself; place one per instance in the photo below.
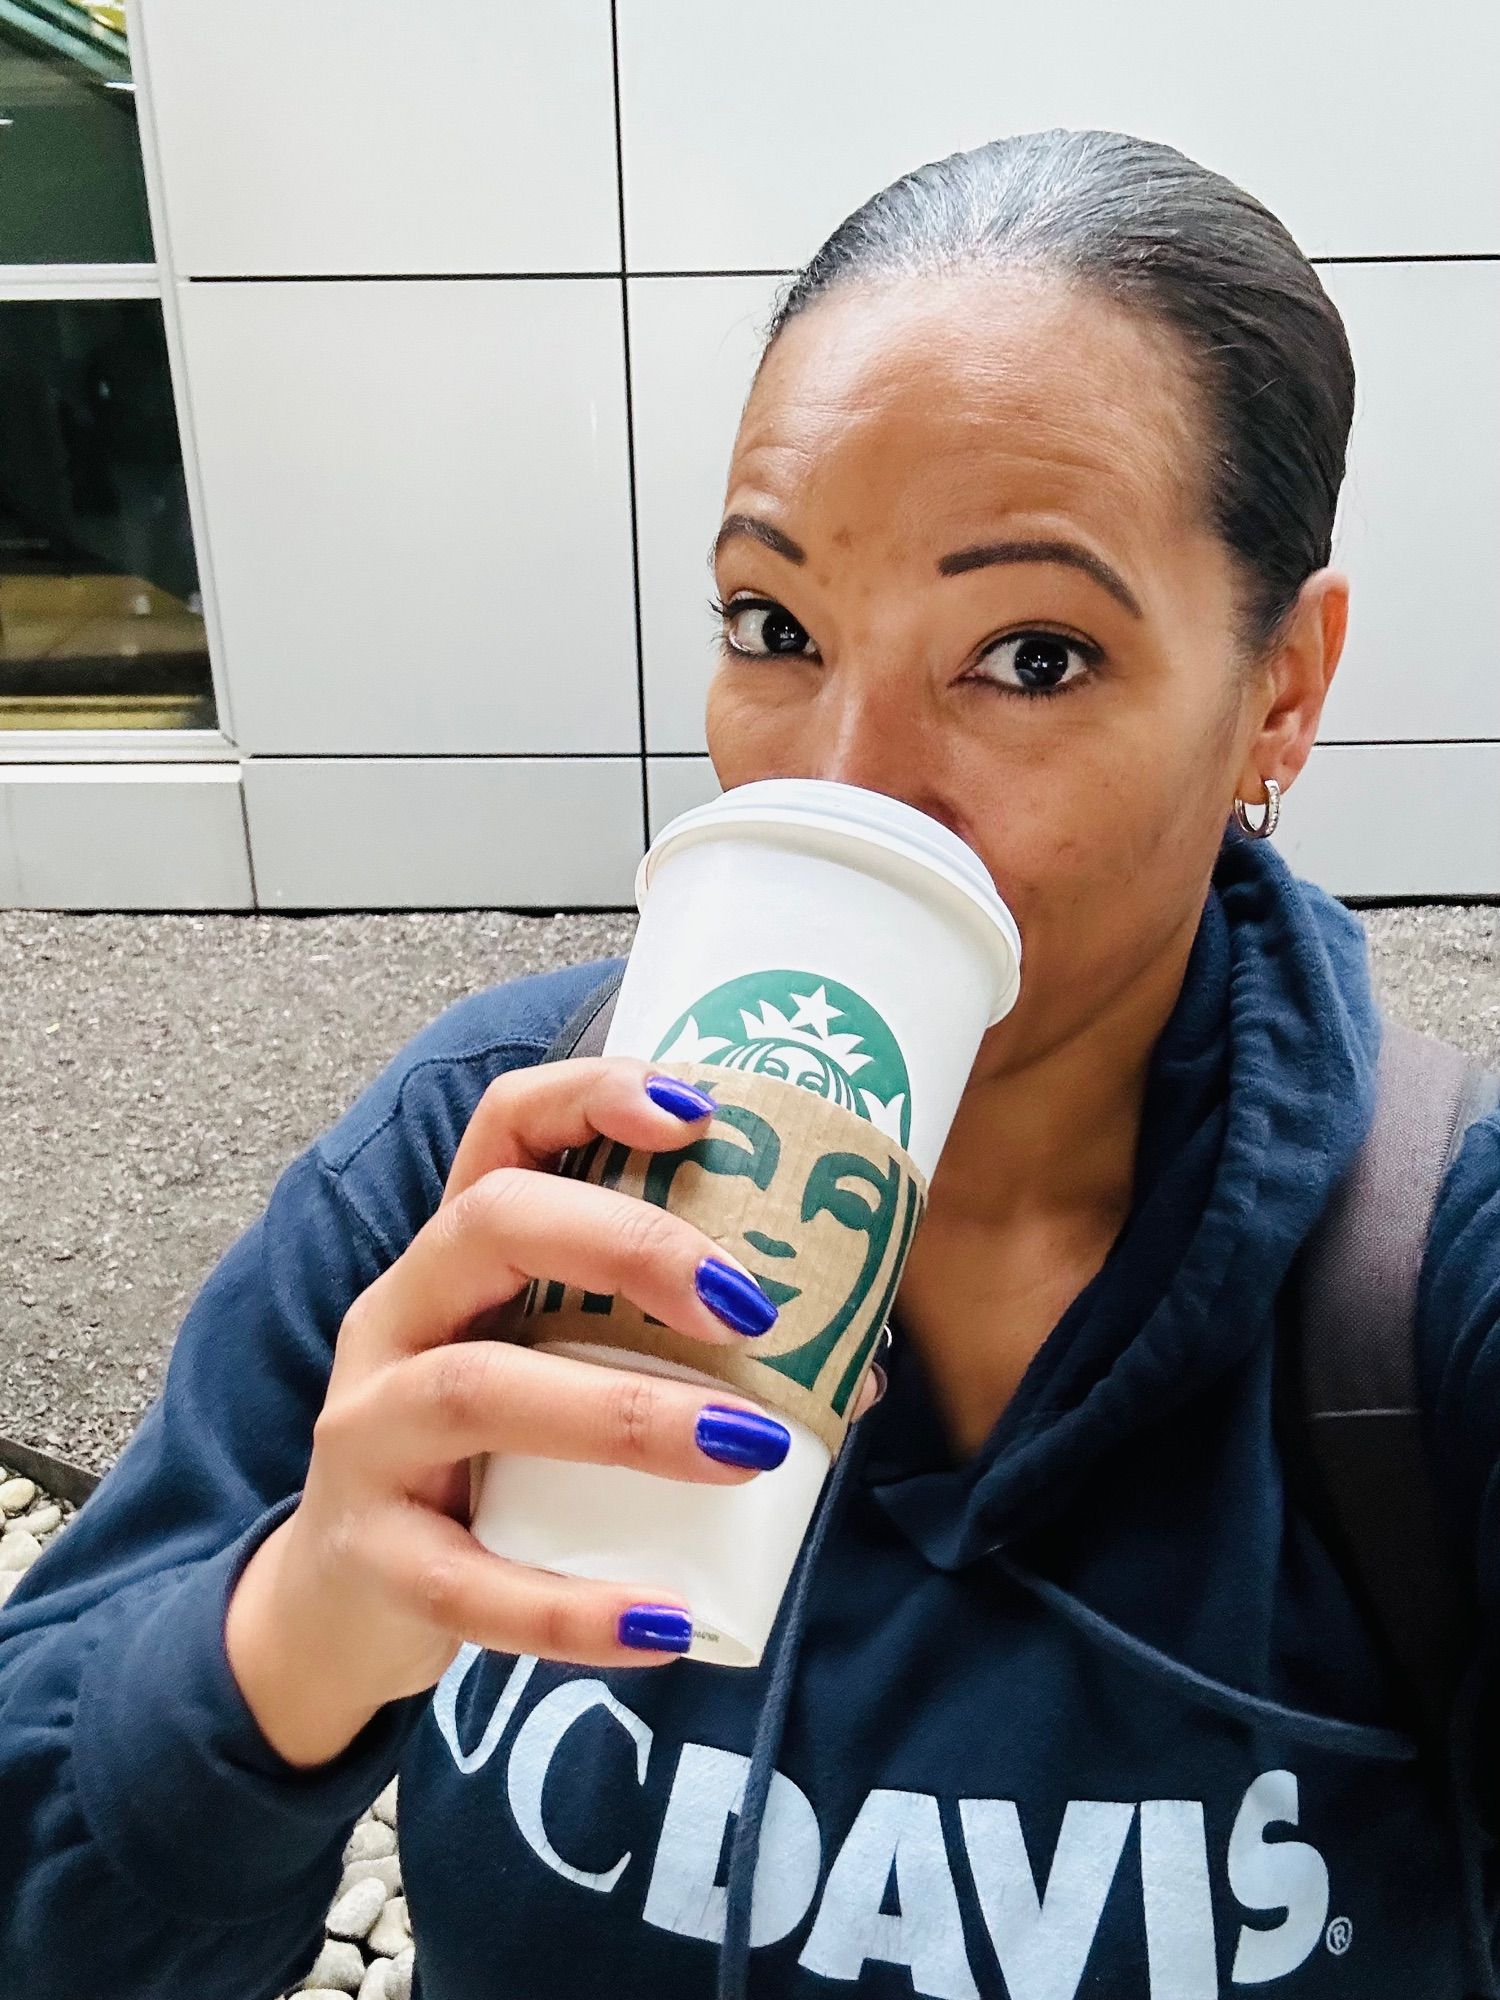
(849, 818)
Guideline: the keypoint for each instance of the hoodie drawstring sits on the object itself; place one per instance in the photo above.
(734, 1952)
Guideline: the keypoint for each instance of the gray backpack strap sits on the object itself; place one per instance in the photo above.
(583, 1033)
(1359, 1428)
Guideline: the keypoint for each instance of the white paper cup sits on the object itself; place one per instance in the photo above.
(874, 951)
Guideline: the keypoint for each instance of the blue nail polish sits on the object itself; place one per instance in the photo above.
(738, 1300)
(739, 1437)
(662, 1628)
(675, 1096)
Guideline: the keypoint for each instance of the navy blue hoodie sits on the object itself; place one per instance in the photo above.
(1088, 1713)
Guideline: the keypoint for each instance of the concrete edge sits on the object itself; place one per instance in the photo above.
(64, 1481)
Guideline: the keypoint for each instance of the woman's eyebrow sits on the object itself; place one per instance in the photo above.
(962, 560)
(1071, 553)
(760, 531)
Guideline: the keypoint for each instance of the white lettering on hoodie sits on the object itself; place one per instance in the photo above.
(1041, 1932)
(1275, 1875)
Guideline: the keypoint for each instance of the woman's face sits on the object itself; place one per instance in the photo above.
(893, 435)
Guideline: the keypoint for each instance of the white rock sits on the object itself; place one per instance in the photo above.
(398, 1979)
(42, 1520)
(9, 1578)
(322, 1993)
(385, 1806)
(16, 1494)
(340, 1967)
(386, 1871)
(370, 1840)
(377, 1981)
(18, 1550)
(392, 1932)
(354, 1912)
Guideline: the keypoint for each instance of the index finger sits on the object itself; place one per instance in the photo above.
(529, 1116)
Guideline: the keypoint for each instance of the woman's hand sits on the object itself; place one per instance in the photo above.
(366, 1592)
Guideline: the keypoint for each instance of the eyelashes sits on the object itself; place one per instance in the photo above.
(1090, 654)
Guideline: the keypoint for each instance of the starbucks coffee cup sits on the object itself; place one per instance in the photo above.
(822, 960)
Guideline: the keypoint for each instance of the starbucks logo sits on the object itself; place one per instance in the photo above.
(781, 1023)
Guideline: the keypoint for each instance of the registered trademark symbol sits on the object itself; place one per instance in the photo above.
(1339, 1936)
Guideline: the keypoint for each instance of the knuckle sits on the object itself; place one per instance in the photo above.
(441, 1237)
(633, 1418)
(454, 1373)
(343, 1540)
(558, 1628)
(496, 1096)
(327, 1430)
(489, 1204)
(436, 1587)
(354, 1328)
(644, 1233)
(337, 1423)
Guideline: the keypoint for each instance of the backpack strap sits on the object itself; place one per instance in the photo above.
(1359, 1426)
(583, 1033)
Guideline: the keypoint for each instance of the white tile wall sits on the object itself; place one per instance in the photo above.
(122, 837)
(419, 519)
(1368, 128)
(378, 136)
(1396, 819)
(1418, 526)
(693, 348)
(444, 833)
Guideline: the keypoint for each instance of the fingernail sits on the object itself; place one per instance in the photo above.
(662, 1628)
(880, 1381)
(739, 1437)
(738, 1300)
(678, 1097)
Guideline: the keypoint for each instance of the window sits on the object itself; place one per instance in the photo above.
(101, 622)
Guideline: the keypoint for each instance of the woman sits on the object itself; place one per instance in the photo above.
(1027, 523)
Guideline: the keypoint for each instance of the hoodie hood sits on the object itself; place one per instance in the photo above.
(1260, 1089)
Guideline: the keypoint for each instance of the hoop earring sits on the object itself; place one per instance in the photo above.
(1272, 812)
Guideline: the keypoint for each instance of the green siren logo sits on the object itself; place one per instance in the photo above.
(833, 1212)
(780, 1023)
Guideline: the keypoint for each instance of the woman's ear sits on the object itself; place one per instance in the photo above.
(1295, 682)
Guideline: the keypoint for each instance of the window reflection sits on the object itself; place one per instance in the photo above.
(101, 624)
(71, 186)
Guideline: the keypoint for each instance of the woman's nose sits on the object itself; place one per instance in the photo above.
(873, 741)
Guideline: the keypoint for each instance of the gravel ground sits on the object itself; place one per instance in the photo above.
(164, 1069)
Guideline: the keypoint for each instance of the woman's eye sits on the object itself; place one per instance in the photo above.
(1030, 664)
(1036, 663)
(759, 628)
